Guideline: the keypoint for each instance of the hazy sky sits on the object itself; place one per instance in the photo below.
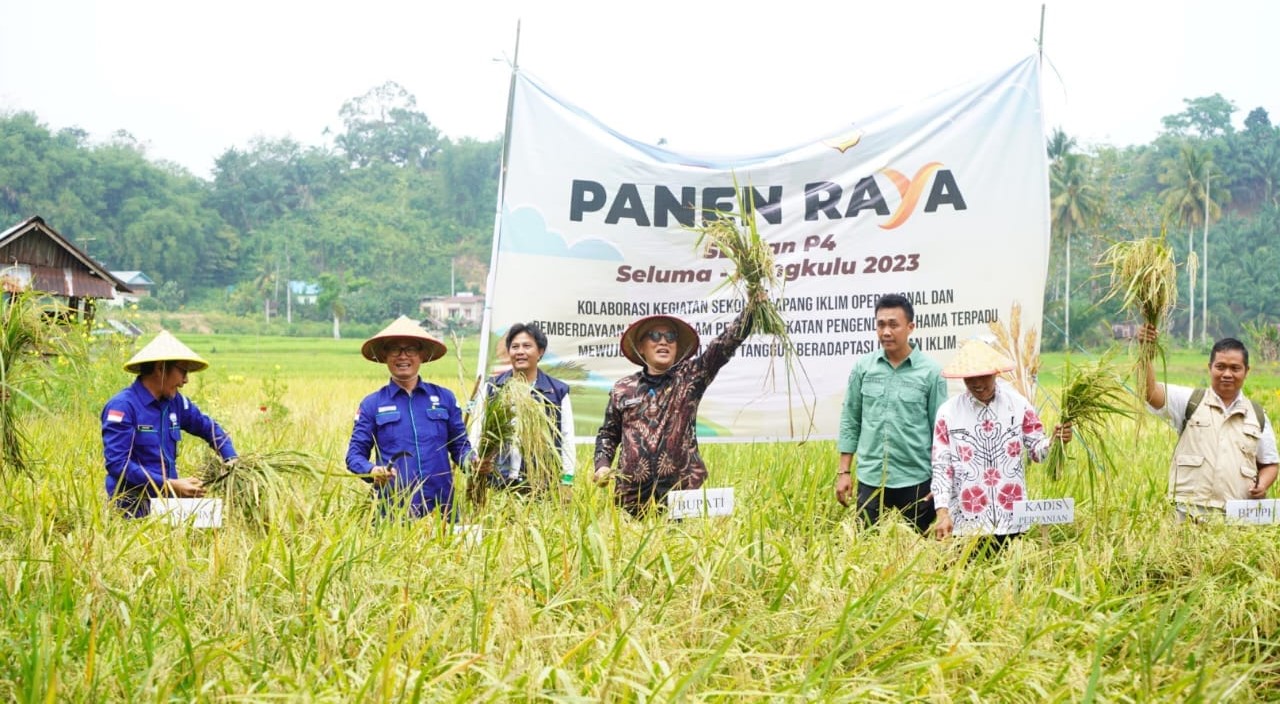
(192, 78)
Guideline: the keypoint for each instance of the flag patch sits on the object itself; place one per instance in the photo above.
(115, 416)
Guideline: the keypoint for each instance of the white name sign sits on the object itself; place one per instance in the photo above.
(1044, 511)
(1255, 511)
(470, 534)
(197, 513)
(695, 503)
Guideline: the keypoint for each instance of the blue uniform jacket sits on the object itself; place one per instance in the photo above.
(140, 436)
(417, 435)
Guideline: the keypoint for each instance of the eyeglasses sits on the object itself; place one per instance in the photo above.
(406, 351)
(655, 336)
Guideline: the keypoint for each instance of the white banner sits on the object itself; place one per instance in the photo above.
(946, 201)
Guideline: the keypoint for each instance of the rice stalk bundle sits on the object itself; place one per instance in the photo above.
(755, 274)
(1145, 279)
(1092, 394)
(1021, 348)
(515, 419)
(259, 487)
(21, 333)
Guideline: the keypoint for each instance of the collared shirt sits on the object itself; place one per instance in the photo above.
(978, 468)
(140, 436)
(417, 434)
(1175, 411)
(887, 418)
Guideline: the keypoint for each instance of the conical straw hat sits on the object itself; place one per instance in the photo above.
(166, 348)
(403, 328)
(976, 358)
(686, 339)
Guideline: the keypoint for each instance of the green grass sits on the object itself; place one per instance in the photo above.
(787, 599)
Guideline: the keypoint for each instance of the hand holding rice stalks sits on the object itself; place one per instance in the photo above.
(1091, 396)
(755, 274)
(1144, 278)
(259, 487)
(515, 421)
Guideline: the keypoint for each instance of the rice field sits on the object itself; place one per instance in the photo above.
(788, 599)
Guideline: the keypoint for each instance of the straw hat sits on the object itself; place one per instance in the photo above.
(686, 339)
(403, 328)
(166, 348)
(976, 358)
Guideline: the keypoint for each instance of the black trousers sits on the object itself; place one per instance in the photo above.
(910, 500)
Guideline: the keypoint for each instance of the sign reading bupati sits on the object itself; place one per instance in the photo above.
(1044, 512)
(945, 201)
(696, 503)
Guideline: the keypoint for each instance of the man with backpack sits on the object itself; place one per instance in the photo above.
(1226, 446)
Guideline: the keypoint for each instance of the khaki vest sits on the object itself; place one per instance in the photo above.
(1216, 458)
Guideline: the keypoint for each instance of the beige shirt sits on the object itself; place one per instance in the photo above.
(1217, 457)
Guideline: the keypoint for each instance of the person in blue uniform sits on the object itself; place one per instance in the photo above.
(408, 432)
(141, 427)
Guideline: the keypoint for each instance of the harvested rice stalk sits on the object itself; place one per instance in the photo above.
(515, 420)
(258, 486)
(21, 334)
(755, 274)
(1022, 349)
(1144, 278)
(1092, 394)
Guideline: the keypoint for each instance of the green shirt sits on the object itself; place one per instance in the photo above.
(887, 418)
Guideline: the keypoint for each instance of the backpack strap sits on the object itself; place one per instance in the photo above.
(1197, 395)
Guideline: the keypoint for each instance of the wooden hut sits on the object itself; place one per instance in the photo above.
(34, 257)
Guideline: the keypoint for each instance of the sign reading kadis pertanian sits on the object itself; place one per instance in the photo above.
(945, 201)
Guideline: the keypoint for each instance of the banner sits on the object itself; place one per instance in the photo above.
(945, 201)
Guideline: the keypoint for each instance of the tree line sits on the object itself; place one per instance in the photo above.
(1199, 170)
(388, 209)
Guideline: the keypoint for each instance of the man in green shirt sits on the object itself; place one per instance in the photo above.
(887, 421)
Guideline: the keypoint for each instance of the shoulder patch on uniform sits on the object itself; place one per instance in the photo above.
(114, 416)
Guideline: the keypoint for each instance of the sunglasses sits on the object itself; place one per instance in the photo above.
(406, 350)
(655, 336)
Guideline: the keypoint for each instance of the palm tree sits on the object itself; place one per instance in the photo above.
(1186, 177)
(1074, 207)
(1059, 145)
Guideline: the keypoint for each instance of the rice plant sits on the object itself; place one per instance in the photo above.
(755, 276)
(258, 487)
(21, 333)
(1145, 279)
(1092, 397)
(514, 419)
(1020, 347)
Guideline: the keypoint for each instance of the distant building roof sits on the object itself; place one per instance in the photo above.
(460, 298)
(134, 278)
(52, 264)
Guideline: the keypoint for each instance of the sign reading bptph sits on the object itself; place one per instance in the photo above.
(696, 503)
(1255, 511)
(1044, 511)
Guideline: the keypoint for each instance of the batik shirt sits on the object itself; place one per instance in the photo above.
(978, 459)
(651, 420)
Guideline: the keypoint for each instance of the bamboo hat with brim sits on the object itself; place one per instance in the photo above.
(686, 339)
(406, 329)
(976, 358)
(166, 348)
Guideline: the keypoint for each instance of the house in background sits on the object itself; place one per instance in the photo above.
(304, 293)
(35, 257)
(439, 310)
(141, 284)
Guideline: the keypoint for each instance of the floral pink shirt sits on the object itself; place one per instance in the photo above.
(978, 461)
